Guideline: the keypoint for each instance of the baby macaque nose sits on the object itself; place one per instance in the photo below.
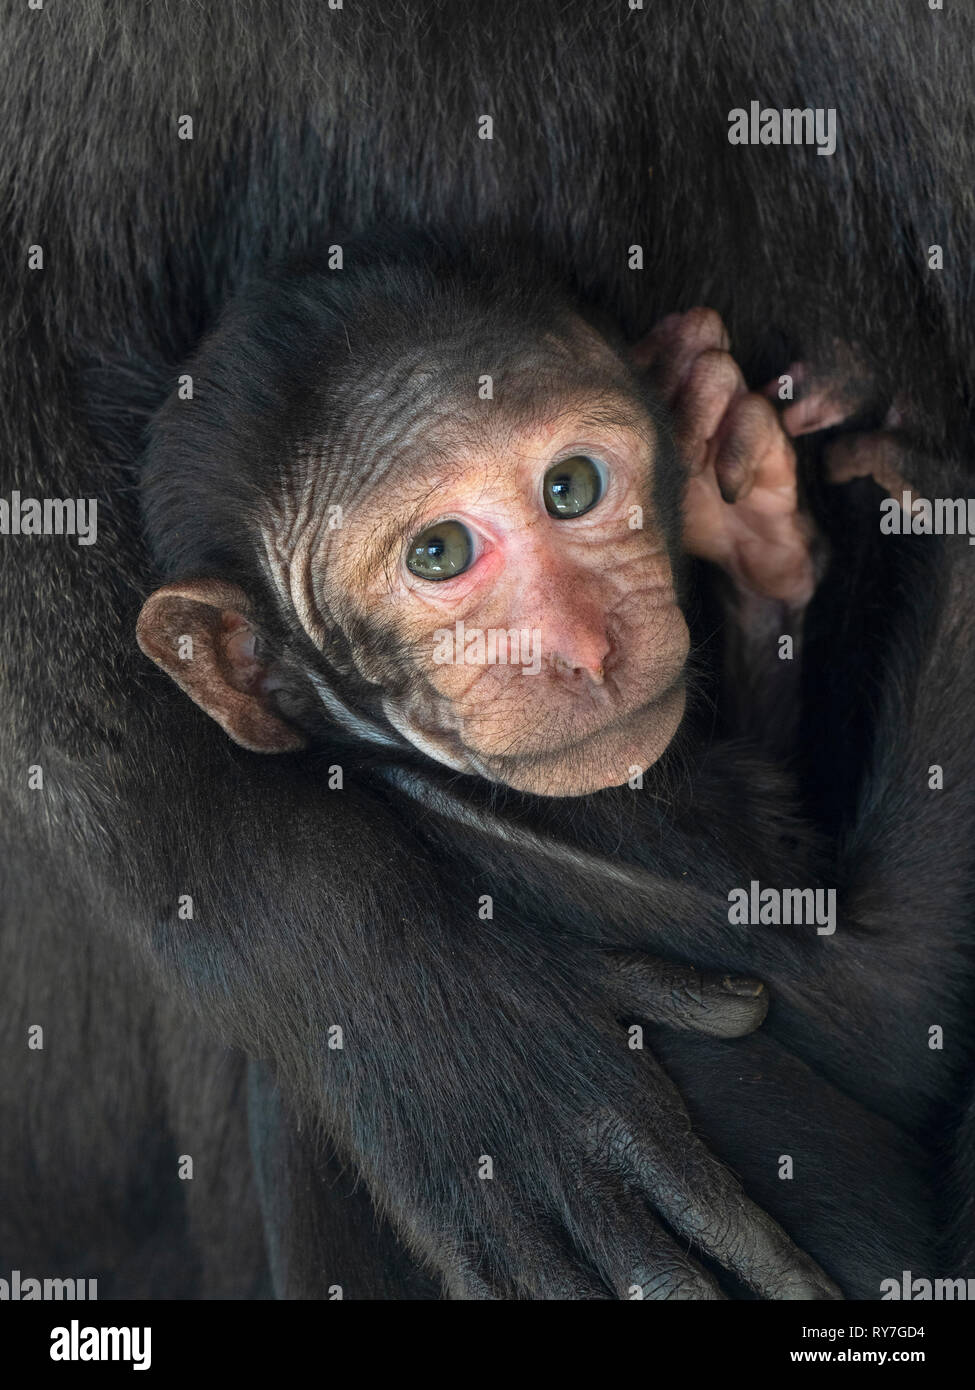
(570, 670)
(582, 657)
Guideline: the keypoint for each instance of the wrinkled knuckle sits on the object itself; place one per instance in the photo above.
(711, 1228)
(672, 1282)
(611, 1138)
(734, 1017)
(702, 322)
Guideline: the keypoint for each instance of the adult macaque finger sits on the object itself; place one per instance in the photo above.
(818, 405)
(549, 1268)
(824, 395)
(660, 991)
(878, 455)
(565, 1282)
(471, 1288)
(461, 1280)
(674, 1278)
(710, 1209)
(622, 1250)
(670, 349)
(634, 1253)
(758, 1251)
(523, 1256)
(818, 411)
(701, 1201)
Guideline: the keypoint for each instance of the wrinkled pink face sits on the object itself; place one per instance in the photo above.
(531, 589)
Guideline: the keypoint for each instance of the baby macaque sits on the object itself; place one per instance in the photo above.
(434, 506)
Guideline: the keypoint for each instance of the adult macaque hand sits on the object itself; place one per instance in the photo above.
(741, 508)
(827, 397)
(623, 1196)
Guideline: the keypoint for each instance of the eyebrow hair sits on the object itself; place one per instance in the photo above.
(638, 422)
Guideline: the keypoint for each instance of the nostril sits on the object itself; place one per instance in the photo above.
(580, 671)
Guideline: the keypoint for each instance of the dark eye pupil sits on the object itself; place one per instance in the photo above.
(572, 486)
(441, 551)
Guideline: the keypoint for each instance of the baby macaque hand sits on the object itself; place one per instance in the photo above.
(831, 396)
(877, 454)
(741, 507)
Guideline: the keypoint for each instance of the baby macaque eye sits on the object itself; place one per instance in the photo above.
(572, 486)
(441, 551)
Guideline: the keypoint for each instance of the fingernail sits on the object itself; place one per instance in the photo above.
(741, 986)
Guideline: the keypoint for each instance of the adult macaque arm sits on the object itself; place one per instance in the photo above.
(593, 1153)
(199, 632)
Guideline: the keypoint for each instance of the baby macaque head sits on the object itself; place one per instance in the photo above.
(427, 506)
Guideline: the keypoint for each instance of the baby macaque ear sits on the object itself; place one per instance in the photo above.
(200, 634)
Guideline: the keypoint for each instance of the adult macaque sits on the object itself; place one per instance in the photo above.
(339, 494)
(167, 894)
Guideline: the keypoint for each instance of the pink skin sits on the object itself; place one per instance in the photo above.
(741, 508)
(533, 571)
(827, 399)
(877, 455)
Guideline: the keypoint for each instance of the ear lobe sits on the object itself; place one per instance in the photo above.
(200, 634)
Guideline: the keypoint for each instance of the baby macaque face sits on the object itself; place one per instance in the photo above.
(495, 565)
(520, 600)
